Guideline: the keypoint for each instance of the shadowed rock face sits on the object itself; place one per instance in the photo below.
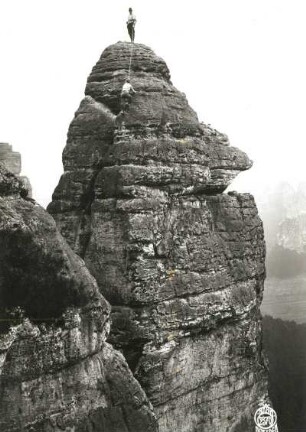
(56, 370)
(181, 264)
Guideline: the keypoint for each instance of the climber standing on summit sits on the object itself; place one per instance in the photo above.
(131, 24)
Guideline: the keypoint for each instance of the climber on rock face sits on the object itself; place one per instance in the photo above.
(131, 24)
(126, 95)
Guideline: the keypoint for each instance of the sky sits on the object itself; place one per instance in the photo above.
(241, 64)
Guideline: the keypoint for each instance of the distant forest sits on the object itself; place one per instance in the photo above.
(285, 346)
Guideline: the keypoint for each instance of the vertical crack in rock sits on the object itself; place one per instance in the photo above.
(181, 263)
(57, 372)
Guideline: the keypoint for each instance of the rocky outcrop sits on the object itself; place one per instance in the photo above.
(181, 263)
(57, 372)
(10, 158)
(12, 161)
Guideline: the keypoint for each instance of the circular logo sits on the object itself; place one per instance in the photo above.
(265, 417)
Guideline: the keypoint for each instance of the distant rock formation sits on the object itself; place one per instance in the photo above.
(12, 161)
(283, 210)
(57, 373)
(182, 264)
(292, 234)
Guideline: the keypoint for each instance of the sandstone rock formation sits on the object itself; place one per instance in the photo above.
(181, 263)
(12, 161)
(57, 373)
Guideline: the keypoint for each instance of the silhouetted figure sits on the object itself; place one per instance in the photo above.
(131, 24)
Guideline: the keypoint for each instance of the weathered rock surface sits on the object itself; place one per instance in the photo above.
(181, 263)
(57, 373)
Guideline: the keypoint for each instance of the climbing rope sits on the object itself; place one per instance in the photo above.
(131, 56)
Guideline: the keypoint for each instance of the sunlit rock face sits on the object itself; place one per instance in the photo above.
(57, 372)
(181, 263)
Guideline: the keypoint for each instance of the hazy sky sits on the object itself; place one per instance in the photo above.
(241, 64)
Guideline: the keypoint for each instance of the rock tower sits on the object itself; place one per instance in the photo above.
(181, 262)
